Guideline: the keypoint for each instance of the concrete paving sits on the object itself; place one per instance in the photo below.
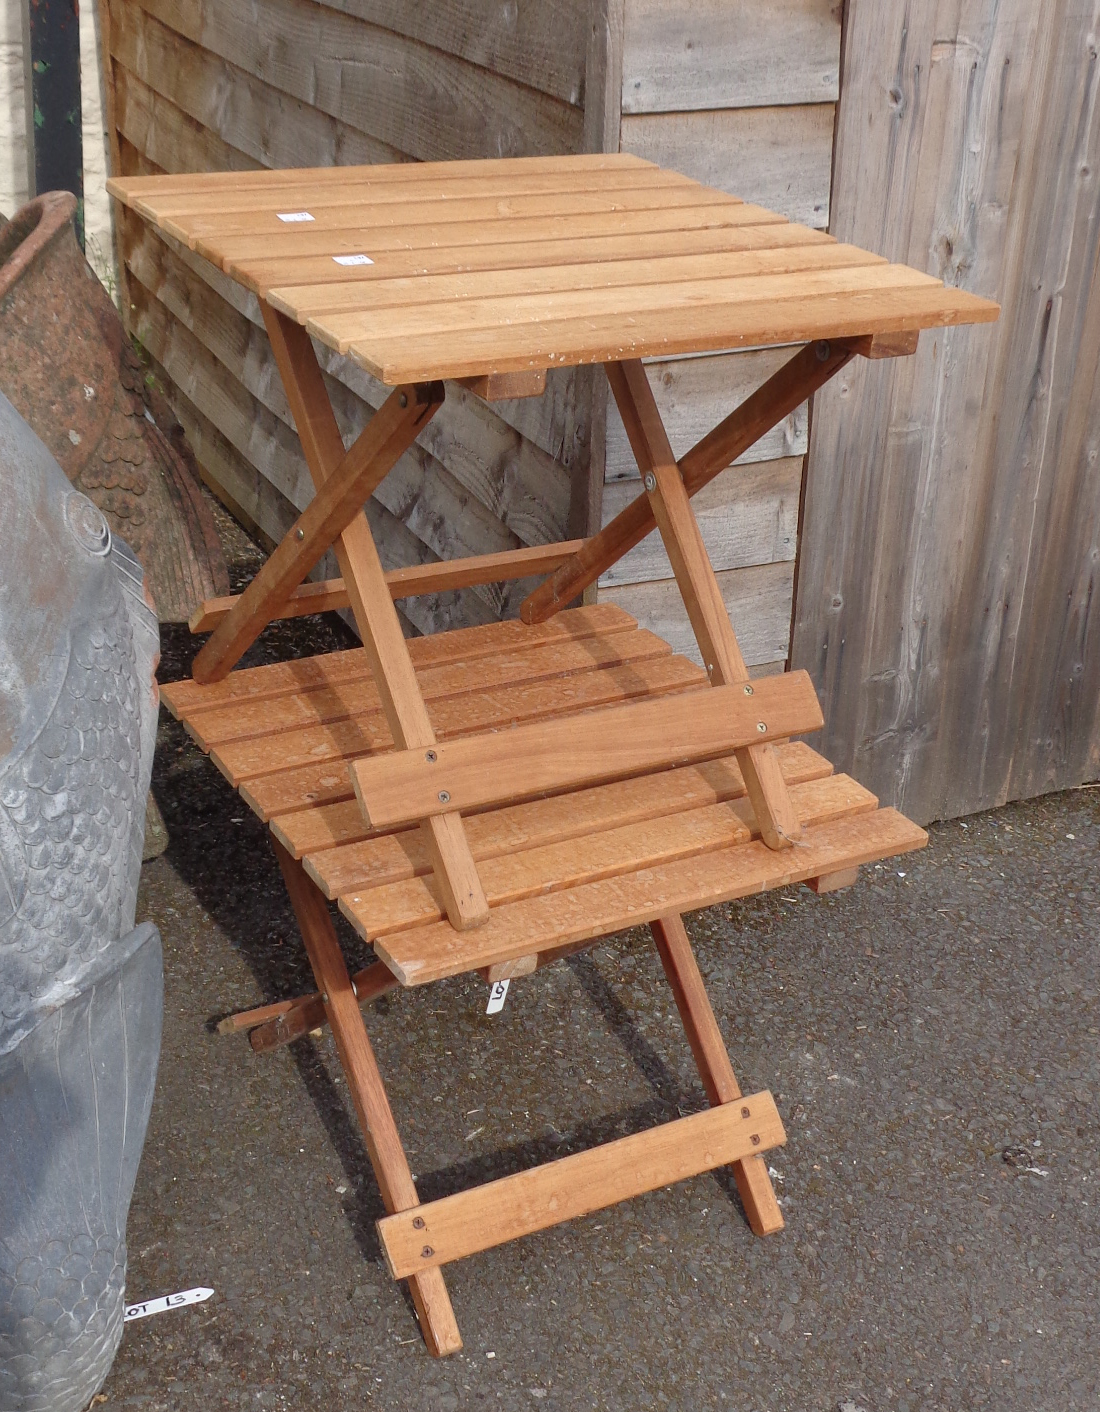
(933, 1040)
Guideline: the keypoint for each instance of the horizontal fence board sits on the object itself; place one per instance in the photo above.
(420, 101)
(757, 599)
(747, 516)
(540, 45)
(694, 394)
(270, 127)
(680, 56)
(780, 158)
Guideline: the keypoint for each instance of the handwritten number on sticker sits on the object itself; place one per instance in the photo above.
(498, 994)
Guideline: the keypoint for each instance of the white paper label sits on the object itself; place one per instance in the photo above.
(353, 259)
(166, 1301)
(498, 994)
(294, 215)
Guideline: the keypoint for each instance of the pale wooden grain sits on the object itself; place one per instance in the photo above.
(779, 157)
(711, 1059)
(368, 1093)
(747, 518)
(757, 599)
(429, 953)
(594, 852)
(543, 758)
(729, 54)
(481, 1217)
(694, 394)
(956, 485)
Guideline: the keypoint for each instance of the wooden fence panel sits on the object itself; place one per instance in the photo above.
(950, 550)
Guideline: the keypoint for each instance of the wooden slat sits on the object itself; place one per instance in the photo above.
(462, 645)
(134, 188)
(332, 747)
(408, 582)
(479, 1218)
(300, 188)
(701, 296)
(596, 853)
(253, 721)
(276, 272)
(303, 302)
(477, 771)
(538, 923)
(206, 230)
(297, 242)
(661, 332)
(342, 855)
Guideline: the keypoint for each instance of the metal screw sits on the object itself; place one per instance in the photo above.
(427, 1253)
(430, 756)
(748, 691)
(403, 400)
(355, 990)
(418, 1222)
(444, 797)
(755, 1139)
(761, 727)
(299, 534)
(744, 1112)
(650, 482)
(324, 998)
(823, 352)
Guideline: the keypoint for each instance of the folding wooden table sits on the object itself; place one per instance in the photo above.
(494, 798)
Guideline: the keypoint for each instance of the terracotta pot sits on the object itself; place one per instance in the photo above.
(68, 368)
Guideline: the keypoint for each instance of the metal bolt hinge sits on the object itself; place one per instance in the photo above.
(650, 482)
(299, 535)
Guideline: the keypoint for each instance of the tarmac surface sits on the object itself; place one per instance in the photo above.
(932, 1037)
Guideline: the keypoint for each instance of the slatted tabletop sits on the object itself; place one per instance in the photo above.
(464, 269)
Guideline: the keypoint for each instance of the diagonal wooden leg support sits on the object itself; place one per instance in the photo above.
(375, 615)
(671, 506)
(713, 1063)
(391, 1168)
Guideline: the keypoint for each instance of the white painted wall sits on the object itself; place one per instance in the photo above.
(99, 237)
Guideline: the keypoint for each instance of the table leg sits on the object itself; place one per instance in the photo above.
(713, 1063)
(391, 1168)
(374, 612)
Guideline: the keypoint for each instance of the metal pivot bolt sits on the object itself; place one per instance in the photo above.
(444, 796)
(650, 482)
(761, 727)
(403, 400)
(823, 352)
(299, 534)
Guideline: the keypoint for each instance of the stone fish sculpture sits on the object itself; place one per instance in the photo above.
(81, 989)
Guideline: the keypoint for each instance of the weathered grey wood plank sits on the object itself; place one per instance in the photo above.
(540, 45)
(250, 116)
(419, 101)
(694, 394)
(780, 158)
(757, 599)
(747, 516)
(950, 530)
(681, 56)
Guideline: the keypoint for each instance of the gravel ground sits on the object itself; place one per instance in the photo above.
(932, 1038)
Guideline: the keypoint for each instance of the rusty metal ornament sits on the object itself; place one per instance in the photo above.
(68, 368)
